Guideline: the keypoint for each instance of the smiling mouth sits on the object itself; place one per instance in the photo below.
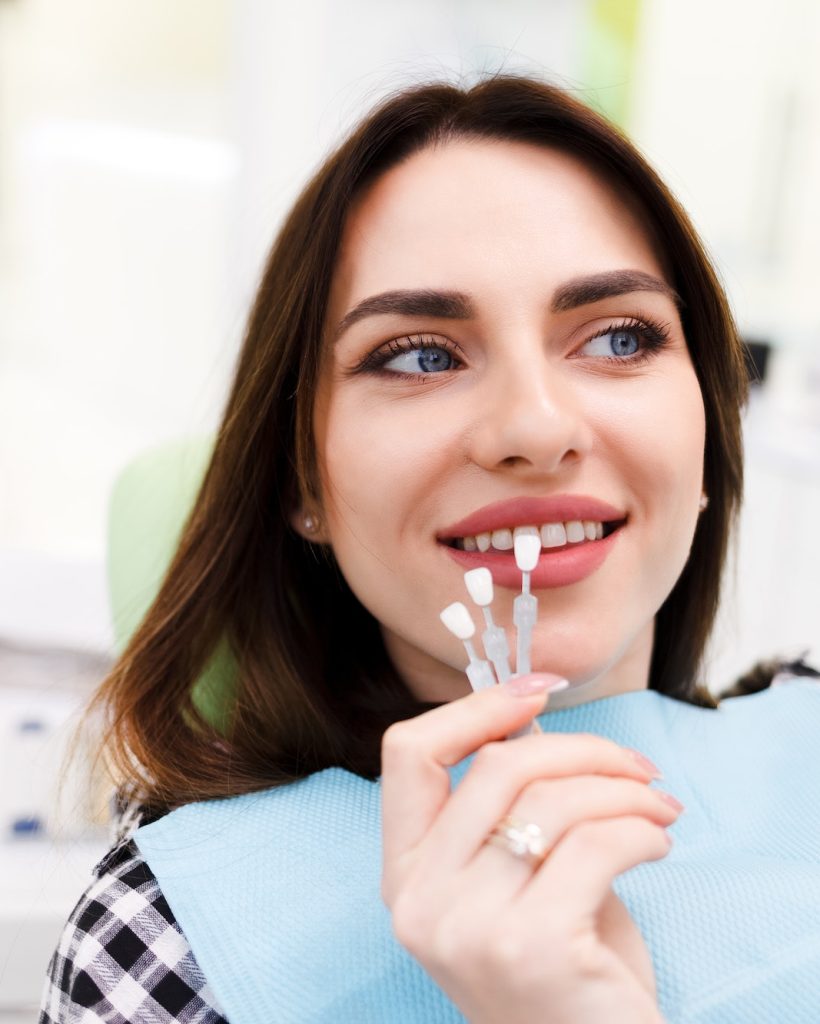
(554, 536)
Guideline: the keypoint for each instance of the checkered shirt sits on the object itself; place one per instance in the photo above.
(122, 957)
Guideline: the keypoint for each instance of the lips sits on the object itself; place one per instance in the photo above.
(557, 567)
(532, 511)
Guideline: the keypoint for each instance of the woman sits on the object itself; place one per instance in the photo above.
(484, 312)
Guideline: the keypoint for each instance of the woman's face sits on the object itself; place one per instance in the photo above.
(502, 350)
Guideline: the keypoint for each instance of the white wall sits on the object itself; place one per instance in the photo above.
(726, 103)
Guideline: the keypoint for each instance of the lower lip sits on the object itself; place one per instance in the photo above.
(557, 567)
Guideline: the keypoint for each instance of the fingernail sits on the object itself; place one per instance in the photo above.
(528, 686)
(646, 764)
(671, 800)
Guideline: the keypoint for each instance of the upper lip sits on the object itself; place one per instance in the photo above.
(560, 508)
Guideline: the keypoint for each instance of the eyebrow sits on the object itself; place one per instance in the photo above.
(419, 302)
(582, 291)
(454, 305)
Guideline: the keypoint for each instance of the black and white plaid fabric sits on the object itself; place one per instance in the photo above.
(122, 957)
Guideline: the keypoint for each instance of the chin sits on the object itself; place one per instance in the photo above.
(579, 670)
(590, 657)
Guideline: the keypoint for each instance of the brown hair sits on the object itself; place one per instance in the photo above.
(244, 589)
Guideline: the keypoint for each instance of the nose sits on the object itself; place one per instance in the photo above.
(529, 419)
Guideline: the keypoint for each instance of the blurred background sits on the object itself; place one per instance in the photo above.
(147, 154)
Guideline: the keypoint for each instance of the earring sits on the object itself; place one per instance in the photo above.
(704, 501)
(311, 524)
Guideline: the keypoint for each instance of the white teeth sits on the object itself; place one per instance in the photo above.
(575, 532)
(502, 540)
(553, 535)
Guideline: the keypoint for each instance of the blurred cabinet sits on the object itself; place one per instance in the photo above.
(771, 602)
(39, 884)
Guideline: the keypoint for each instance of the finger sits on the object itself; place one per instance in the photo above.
(499, 776)
(416, 754)
(558, 805)
(496, 875)
(574, 880)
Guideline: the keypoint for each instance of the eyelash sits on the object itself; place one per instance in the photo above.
(374, 361)
(654, 334)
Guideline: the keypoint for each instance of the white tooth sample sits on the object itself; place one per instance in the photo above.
(470, 544)
(458, 620)
(553, 535)
(590, 530)
(527, 544)
(480, 586)
(502, 540)
(575, 531)
(599, 527)
(483, 541)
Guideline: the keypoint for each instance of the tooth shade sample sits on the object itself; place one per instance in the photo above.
(458, 620)
(527, 541)
(502, 540)
(553, 535)
(480, 586)
(575, 532)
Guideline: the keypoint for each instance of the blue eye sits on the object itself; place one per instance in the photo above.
(623, 343)
(425, 359)
(416, 356)
(614, 343)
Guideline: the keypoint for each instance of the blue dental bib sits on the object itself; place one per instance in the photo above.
(278, 892)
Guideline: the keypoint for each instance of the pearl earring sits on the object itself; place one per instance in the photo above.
(704, 501)
(311, 524)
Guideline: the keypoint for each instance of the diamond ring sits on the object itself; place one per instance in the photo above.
(523, 839)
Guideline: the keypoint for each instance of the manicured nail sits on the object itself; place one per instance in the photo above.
(529, 686)
(671, 800)
(646, 764)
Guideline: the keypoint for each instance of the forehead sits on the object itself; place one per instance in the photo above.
(485, 215)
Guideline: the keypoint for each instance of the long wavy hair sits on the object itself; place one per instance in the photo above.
(269, 615)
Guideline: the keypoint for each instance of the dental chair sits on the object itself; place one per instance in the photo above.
(149, 503)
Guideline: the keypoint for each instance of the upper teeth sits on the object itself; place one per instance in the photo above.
(553, 535)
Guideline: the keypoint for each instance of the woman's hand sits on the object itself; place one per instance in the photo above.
(509, 942)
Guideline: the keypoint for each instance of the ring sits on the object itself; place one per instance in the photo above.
(523, 839)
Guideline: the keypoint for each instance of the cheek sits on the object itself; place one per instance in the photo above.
(678, 445)
(379, 463)
(659, 428)
(667, 466)
(382, 476)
